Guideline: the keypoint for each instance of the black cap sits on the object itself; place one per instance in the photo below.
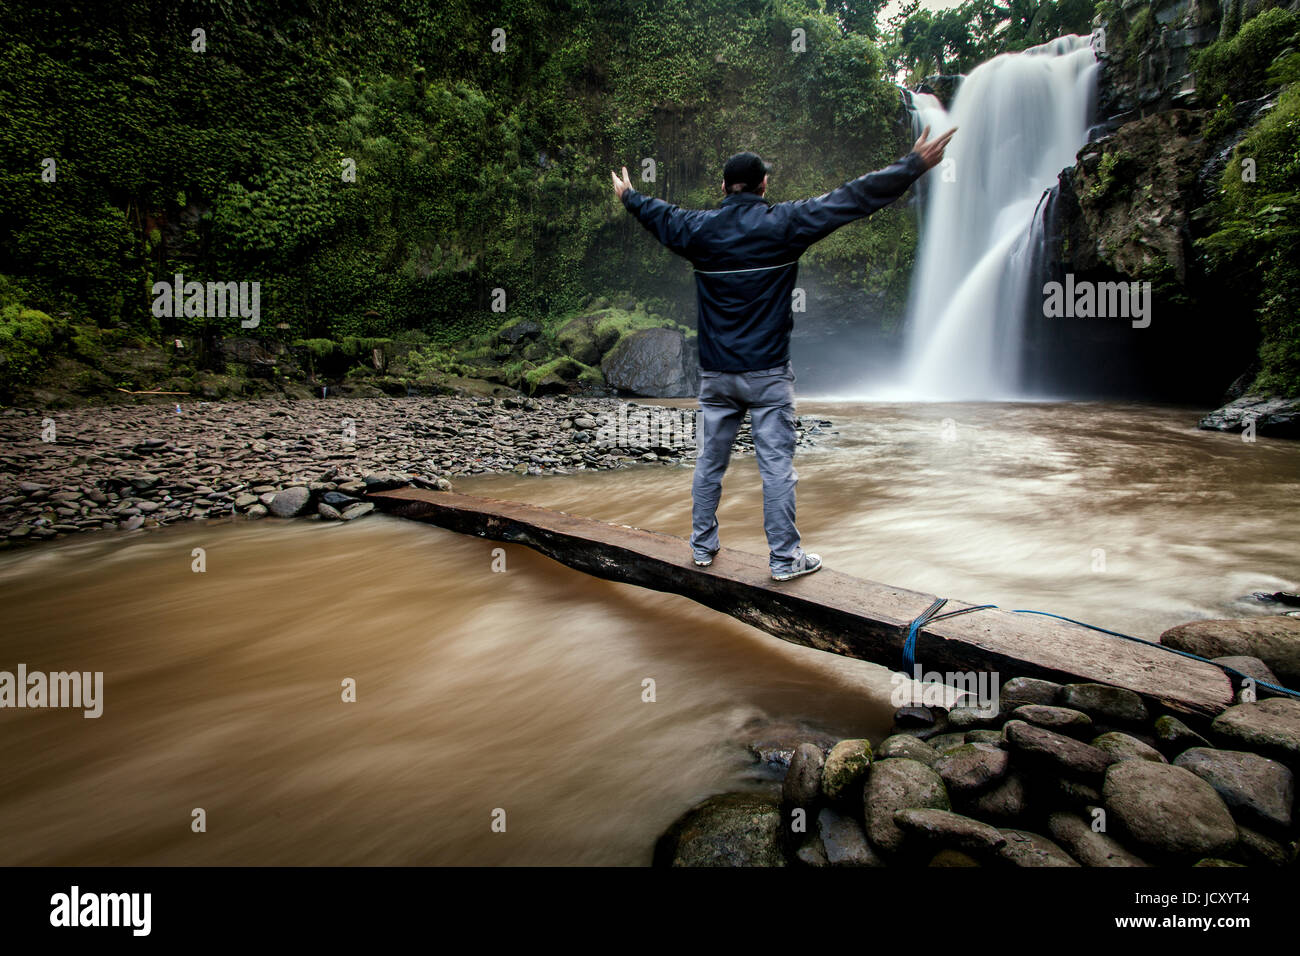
(744, 168)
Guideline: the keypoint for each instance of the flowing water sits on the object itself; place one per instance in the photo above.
(1021, 119)
(522, 690)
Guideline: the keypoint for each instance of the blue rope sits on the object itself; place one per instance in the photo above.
(931, 614)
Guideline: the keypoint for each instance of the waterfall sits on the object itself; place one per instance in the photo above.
(1021, 119)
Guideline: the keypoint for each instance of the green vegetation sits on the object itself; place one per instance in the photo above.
(925, 42)
(379, 168)
(1255, 248)
(1240, 66)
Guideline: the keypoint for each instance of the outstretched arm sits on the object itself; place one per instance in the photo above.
(814, 219)
(665, 222)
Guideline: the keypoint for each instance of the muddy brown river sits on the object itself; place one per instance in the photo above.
(480, 691)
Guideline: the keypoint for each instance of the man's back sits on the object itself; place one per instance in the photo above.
(746, 253)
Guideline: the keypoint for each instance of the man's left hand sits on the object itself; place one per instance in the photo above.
(621, 186)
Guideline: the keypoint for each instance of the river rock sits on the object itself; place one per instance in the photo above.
(905, 745)
(1252, 667)
(973, 718)
(257, 511)
(1124, 747)
(993, 738)
(733, 829)
(950, 830)
(971, 768)
(358, 510)
(774, 742)
(916, 721)
(245, 501)
(1104, 702)
(844, 841)
(1029, 849)
(1254, 787)
(290, 503)
(1086, 845)
(803, 781)
(328, 513)
(812, 853)
(1047, 748)
(945, 742)
(1028, 690)
(1173, 736)
(520, 331)
(1063, 720)
(1006, 802)
(1274, 416)
(1070, 794)
(1274, 639)
(1269, 727)
(657, 362)
(337, 500)
(1168, 810)
(846, 767)
(1257, 849)
(899, 783)
(383, 482)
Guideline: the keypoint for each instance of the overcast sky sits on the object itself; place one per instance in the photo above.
(895, 5)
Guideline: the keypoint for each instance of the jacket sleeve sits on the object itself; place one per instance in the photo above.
(814, 219)
(667, 223)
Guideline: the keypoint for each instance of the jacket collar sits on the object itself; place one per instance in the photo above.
(733, 199)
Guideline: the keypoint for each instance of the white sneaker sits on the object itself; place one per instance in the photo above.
(805, 563)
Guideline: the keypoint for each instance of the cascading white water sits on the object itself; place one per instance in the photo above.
(1021, 119)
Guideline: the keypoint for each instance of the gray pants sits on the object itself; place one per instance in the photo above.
(769, 397)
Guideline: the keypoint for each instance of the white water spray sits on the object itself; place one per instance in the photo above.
(1021, 119)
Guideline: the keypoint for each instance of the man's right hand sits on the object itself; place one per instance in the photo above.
(931, 151)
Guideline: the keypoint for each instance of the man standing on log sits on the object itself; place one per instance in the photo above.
(745, 255)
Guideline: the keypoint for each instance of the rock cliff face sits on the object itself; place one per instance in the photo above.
(1146, 52)
(1138, 198)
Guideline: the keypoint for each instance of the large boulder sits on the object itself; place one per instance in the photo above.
(1273, 416)
(1168, 811)
(521, 331)
(1274, 639)
(659, 363)
(732, 829)
(1270, 727)
(896, 784)
(971, 768)
(1053, 751)
(1254, 787)
(290, 502)
(582, 338)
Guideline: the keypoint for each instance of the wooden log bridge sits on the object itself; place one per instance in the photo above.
(829, 610)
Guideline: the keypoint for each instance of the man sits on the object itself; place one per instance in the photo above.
(745, 255)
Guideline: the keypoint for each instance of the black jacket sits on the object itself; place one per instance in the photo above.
(746, 255)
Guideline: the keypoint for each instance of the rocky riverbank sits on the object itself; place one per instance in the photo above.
(87, 469)
(1054, 775)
